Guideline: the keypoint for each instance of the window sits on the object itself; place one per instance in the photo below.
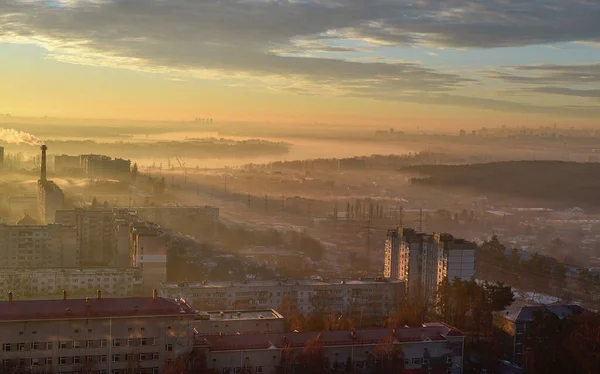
(76, 359)
(130, 330)
(116, 358)
(48, 360)
(142, 329)
(62, 345)
(169, 347)
(89, 343)
(129, 356)
(62, 361)
(35, 346)
(89, 359)
(34, 362)
(89, 330)
(406, 361)
(48, 346)
(417, 361)
(130, 342)
(448, 359)
(76, 344)
(103, 343)
(103, 358)
(144, 342)
(259, 369)
(154, 370)
(169, 361)
(425, 361)
(20, 346)
(116, 343)
(155, 356)
(6, 347)
(154, 341)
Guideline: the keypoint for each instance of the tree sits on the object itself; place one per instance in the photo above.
(312, 360)
(294, 320)
(388, 356)
(134, 172)
(94, 202)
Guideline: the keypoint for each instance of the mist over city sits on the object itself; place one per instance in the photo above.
(299, 187)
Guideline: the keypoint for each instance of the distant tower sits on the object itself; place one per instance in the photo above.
(1, 157)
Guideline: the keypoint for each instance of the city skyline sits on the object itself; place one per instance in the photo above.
(297, 62)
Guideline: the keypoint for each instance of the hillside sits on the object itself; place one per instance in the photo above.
(555, 183)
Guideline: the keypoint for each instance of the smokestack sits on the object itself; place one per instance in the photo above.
(64, 294)
(154, 294)
(10, 296)
(99, 294)
(43, 172)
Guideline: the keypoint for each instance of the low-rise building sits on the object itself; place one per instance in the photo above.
(251, 321)
(371, 297)
(94, 335)
(433, 346)
(43, 283)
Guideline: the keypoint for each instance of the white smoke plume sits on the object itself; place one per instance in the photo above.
(17, 137)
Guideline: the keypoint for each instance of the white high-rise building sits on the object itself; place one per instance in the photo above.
(423, 261)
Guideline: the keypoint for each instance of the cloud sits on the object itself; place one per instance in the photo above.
(549, 74)
(567, 92)
(275, 41)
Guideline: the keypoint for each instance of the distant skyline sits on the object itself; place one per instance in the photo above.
(443, 64)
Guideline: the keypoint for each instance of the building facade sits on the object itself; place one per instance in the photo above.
(99, 166)
(95, 335)
(431, 348)
(36, 283)
(37, 246)
(423, 261)
(373, 297)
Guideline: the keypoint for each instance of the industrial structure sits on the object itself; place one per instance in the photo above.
(423, 261)
(50, 196)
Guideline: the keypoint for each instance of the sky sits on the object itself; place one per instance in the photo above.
(451, 63)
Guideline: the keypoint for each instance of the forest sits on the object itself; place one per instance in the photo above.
(556, 184)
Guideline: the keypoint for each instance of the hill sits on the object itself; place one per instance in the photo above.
(556, 183)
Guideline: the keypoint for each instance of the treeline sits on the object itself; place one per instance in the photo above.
(542, 274)
(555, 183)
(193, 148)
(557, 345)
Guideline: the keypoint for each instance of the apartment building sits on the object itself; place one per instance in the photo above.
(373, 297)
(36, 246)
(430, 347)
(95, 233)
(36, 283)
(423, 261)
(250, 321)
(95, 335)
(99, 166)
(148, 244)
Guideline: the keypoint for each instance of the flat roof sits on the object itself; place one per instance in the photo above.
(427, 332)
(244, 315)
(276, 283)
(129, 307)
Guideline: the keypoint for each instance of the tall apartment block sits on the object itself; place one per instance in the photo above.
(423, 261)
(95, 335)
(50, 197)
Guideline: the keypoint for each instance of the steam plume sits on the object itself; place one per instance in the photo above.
(18, 137)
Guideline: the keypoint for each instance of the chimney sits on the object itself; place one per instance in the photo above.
(154, 294)
(10, 296)
(64, 294)
(99, 294)
(43, 171)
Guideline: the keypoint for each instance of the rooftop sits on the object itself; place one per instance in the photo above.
(525, 314)
(428, 332)
(26, 310)
(275, 283)
(267, 314)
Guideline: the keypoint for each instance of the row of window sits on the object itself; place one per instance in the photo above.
(74, 360)
(75, 344)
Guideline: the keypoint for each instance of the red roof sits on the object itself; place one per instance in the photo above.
(23, 310)
(328, 338)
